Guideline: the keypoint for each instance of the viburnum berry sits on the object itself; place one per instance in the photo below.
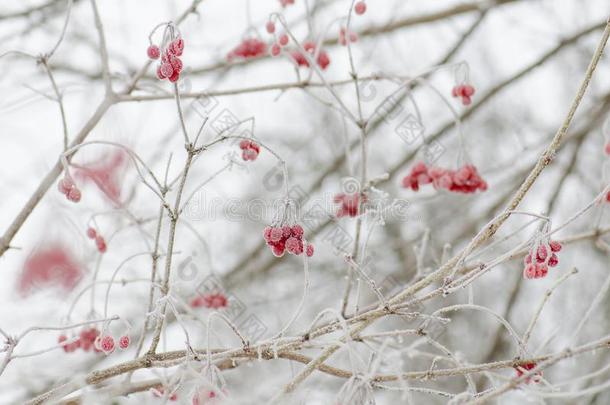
(67, 187)
(360, 8)
(270, 27)
(153, 52)
(248, 48)
(91, 234)
(607, 149)
(465, 91)
(275, 50)
(285, 238)
(345, 37)
(283, 40)
(213, 300)
(250, 149)
(608, 197)
(176, 47)
(124, 342)
(286, 3)
(350, 203)
(463, 180)
(166, 69)
(202, 397)
(106, 344)
(100, 243)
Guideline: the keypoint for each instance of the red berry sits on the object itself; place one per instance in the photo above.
(278, 249)
(360, 8)
(153, 52)
(555, 246)
(106, 344)
(74, 195)
(160, 74)
(166, 69)
(283, 40)
(270, 27)
(276, 234)
(553, 260)
(91, 233)
(309, 250)
(176, 64)
(174, 77)
(177, 46)
(100, 243)
(275, 50)
(124, 342)
(297, 231)
(607, 149)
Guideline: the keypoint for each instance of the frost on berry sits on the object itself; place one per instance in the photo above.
(275, 50)
(247, 49)
(67, 187)
(283, 40)
(171, 65)
(249, 149)
(105, 344)
(153, 52)
(463, 180)
(545, 256)
(360, 8)
(463, 91)
(48, 266)
(124, 342)
(348, 204)
(286, 238)
(204, 396)
(270, 27)
(159, 392)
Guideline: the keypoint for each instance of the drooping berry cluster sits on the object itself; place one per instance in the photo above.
(544, 260)
(524, 368)
(215, 300)
(171, 65)
(464, 91)
(204, 397)
(350, 204)
(282, 40)
(49, 266)
(100, 242)
(249, 149)
(86, 341)
(360, 7)
(464, 180)
(67, 187)
(345, 36)
(286, 238)
(248, 48)
(323, 59)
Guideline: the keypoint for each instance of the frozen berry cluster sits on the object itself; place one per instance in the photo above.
(249, 149)
(204, 397)
(159, 392)
(248, 48)
(463, 180)
(67, 187)
(464, 91)
(214, 300)
(86, 341)
(100, 242)
(545, 257)
(349, 204)
(171, 65)
(286, 238)
(323, 59)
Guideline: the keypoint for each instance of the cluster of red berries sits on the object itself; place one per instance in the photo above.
(323, 60)
(286, 239)
(214, 300)
(159, 392)
(345, 36)
(67, 187)
(92, 339)
(249, 149)
(100, 242)
(286, 3)
(360, 8)
(465, 91)
(544, 260)
(86, 341)
(350, 203)
(464, 180)
(248, 48)
(171, 64)
(524, 368)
